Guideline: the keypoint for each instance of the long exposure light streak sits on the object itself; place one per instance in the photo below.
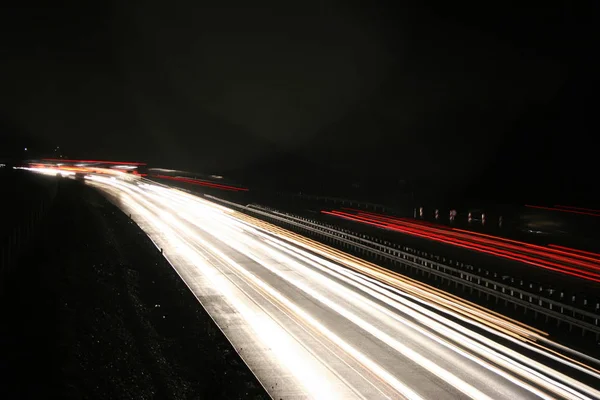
(316, 322)
(571, 263)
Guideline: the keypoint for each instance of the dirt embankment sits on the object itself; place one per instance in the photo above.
(94, 311)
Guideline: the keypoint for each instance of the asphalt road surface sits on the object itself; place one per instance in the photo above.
(313, 322)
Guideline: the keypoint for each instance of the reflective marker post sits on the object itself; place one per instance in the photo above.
(452, 215)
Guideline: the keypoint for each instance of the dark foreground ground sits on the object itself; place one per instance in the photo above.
(92, 311)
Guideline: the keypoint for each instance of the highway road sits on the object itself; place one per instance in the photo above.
(313, 322)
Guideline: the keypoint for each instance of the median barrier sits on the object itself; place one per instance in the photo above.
(430, 267)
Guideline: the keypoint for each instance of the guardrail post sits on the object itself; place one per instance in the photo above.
(561, 307)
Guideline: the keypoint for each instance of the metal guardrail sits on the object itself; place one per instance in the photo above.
(585, 320)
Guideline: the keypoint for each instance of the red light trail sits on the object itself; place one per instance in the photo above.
(202, 183)
(578, 208)
(577, 251)
(55, 160)
(564, 210)
(564, 260)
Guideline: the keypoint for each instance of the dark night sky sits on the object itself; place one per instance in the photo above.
(454, 94)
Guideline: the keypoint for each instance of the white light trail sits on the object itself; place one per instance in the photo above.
(294, 275)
